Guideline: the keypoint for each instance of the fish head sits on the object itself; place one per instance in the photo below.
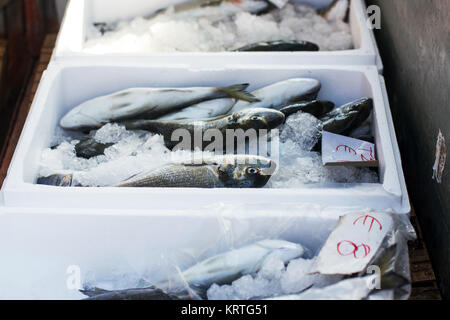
(76, 120)
(246, 171)
(284, 250)
(259, 118)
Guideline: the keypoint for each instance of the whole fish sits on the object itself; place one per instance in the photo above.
(144, 102)
(230, 171)
(220, 269)
(204, 110)
(281, 94)
(257, 118)
(347, 118)
(280, 45)
(317, 108)
(57, 180)
(88, 148)
(203, 8)
(227, 267)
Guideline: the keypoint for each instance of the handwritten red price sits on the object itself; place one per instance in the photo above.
(360, 152)
(346, 248)
(372, 221)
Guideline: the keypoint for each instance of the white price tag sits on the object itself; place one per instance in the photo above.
(339, 150)
(279, 3)
(353, 243)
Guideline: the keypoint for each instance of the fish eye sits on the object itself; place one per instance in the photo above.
(252, 170)
(254, 118)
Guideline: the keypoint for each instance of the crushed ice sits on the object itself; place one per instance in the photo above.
(168, 34)
(274, 279)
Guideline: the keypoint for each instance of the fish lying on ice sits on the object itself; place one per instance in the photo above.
(229, 171)
(282, 94)
(254, 118)
(204, 110)
(88, 148)
(317, 108)
(144, 102)
(347, 118)
(220, 269)
(203, 8)
(280, 45)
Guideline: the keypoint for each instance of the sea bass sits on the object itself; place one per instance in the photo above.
(254, 118)
(347, 118)
(281, 94)
(229, 171)
(208, 8)
(144, 102)
(220, 269)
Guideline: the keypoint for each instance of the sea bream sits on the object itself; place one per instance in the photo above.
(229, 171)
(220, 269)
(211, 8)
(281, 94)
(148, 103)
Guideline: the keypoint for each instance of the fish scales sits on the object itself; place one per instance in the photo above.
(179, 176)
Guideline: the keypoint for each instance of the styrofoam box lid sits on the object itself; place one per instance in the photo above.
(81, 13)
(64, 85)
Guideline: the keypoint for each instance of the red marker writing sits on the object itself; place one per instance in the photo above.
(372, 221)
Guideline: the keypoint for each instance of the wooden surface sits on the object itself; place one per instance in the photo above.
(423, 278)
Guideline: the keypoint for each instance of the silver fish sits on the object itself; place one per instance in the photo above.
(281, 94)
(204, 110)
(229, 171)
(227, 267)
(144, 102)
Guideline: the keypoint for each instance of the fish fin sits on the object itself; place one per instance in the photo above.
(92, 292)
(238, 92)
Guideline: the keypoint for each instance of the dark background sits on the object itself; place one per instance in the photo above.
(414, 41)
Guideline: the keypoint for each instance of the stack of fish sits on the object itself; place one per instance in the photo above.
(163, 111)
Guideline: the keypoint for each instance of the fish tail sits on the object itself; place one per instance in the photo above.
(238, 92)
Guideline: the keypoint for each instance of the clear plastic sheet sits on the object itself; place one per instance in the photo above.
(262, 257)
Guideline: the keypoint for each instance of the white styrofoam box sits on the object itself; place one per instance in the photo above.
(81, 13)
(42, 250)
(65, 85)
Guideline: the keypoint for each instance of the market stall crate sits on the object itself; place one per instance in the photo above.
(65, 85)
(81, 14)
